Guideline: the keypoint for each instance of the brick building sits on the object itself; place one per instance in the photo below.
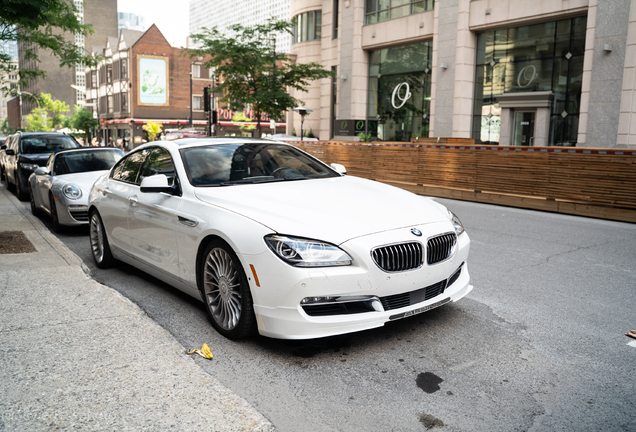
(143, 78)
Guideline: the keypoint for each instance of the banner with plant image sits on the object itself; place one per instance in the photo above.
(153, 81)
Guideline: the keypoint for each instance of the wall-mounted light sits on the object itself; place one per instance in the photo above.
(373, 34)
(444, 65)
(488, 11)
(343, 77)
(607, 47)
(421, 25)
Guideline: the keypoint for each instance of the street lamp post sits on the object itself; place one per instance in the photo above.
(303, 112)
(190, 122)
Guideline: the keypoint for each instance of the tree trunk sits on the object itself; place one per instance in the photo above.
(258, 125)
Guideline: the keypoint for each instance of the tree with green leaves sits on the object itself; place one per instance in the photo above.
(82, 119)
(152, 129)
(5, 129)
(48, 116)
(251, 73)
(41, 24)
(37, 121)
(241, 119)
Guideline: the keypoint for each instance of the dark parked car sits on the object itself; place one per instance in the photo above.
(26, 151)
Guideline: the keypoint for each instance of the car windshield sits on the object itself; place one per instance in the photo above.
(230, 164)
(46, 144)
(84, 161)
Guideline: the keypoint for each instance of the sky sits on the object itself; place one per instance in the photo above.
(170, 16)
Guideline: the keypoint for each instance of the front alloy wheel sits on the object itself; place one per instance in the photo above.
(57, 227)
(20, 193)
(226, 293)
(34, 209)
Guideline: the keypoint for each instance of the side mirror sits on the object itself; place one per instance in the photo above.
(340, 169)
(10, 152)
(41, 171)
(157, 183)
(3, 147)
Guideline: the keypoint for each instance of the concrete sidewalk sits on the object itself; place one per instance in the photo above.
(74, 354)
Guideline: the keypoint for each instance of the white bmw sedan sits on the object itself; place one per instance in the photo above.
(275, 241)
(61, 188)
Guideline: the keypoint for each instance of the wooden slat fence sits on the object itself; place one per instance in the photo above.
(581, 181)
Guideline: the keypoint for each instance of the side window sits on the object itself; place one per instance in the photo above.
(14, 143)
(127, 170)
(158, 162)
(49, 163)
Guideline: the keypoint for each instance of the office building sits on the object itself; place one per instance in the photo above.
(506, 72)
(210, 13)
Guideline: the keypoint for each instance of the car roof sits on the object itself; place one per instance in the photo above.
(205, 141)
(27, 134)
(86, 149)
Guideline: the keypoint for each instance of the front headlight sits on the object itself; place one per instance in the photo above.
(301, 252)
(71, 191)
(29, 166)
(457, 224)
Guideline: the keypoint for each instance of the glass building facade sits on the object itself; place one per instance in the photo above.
(545, 57)
(399, 92)
(383, 10)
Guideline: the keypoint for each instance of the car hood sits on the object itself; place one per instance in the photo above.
(36, 158)
(84, 181)
(333, 210)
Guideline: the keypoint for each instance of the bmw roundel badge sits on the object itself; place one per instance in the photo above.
(416, 232)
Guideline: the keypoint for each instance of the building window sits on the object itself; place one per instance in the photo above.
(306, 27)
(109, 73)
(93, 79)
(124, 68)
(336, 14)
(383, 10)
(545, 57)
(196, 71)
(110, 100)
(196, 103)
(124, 102)
(399, 95)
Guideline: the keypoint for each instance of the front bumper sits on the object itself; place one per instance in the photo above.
(72, 212)
(360, 296)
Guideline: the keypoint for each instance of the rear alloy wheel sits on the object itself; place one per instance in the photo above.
(226, 292)
(57, 227)
(99, 242)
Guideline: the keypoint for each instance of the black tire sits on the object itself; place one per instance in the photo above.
(57, 227)
(10, 186)
(225, 292)
(22, 196)
(100, 249)
(34, 209)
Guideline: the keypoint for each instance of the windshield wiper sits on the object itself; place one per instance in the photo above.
(281, 179)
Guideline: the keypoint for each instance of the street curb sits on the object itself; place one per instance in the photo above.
(56, 244)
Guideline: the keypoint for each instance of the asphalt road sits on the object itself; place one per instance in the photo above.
(538, 345)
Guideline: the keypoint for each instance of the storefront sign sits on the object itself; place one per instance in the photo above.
(153, 80)
(344, 127)
(396, 93)
(526, 76)
(228, 115)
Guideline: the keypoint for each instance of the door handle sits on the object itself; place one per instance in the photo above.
(106, 192)
(133, 200)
